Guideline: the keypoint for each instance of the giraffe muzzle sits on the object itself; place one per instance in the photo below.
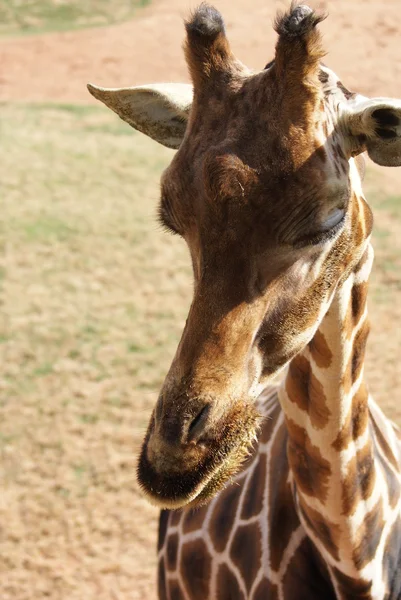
(191, 464)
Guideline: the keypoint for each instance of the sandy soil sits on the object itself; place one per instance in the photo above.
(362, 40)
(363, 45)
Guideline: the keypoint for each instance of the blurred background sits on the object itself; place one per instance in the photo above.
(94, 295)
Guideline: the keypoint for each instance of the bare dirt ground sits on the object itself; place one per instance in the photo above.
(361, 37)
(94, 306)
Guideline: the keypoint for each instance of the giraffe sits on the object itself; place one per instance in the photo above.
(270, 489)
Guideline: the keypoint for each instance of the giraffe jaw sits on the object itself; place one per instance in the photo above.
(205, 479)
(198, 497)
(206, 489)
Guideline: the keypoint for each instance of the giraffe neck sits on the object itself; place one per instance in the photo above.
(341, 494)
(324, 390)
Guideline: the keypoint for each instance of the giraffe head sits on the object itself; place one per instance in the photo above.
(265, 188)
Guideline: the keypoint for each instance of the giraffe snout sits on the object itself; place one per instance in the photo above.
(199, 424)
(191, 450)
(183, 424)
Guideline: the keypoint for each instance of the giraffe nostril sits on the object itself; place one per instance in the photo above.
(198, 424)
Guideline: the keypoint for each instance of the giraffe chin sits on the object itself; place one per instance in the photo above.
(199, 485)
(202, 493)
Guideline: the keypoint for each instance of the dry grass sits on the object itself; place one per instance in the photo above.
(95, 298)
(36, 16)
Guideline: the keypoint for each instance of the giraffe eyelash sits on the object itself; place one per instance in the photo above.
(166, 221)
(320, 237)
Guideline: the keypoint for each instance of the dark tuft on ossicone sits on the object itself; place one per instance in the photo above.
(205, 21)
(298, 21)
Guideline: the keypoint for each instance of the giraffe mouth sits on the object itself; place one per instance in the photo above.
(219, 460)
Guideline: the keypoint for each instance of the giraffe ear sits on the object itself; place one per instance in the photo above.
(157, 110)
(375, 126)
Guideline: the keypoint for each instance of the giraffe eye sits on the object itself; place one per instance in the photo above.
(328, 230)
(334, 219)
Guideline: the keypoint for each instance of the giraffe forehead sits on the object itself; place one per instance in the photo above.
(258, 104)
(238, 138)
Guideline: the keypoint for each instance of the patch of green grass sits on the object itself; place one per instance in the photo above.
(134, 348)
(78, 110)
(6, 439)
(62, 492)
(38, 16)
(46, 228)
(391, 204)
(43, 370)
(80, 470)
(89, 418)
(380, 233)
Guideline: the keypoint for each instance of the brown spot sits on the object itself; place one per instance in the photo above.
(368, 217)
(306, 577)
(392, 560)
(358, 351)
(323, 76)
(321, 153)
(359, 295)
(161, 581)
(246, 551)
(175, 517)
(171, 552)
(320, 351)
(163, 523)
(193, 519)
(195, 569)
(283, 517)
(265, 590)
(305, 390)
(227, 585)
(340, 152)
(384, 445)
(370, 534)
(311, 470)
(344, 90)
(223, 516)
(357, 420)
(352, 587)
(357, 357)
(175, 592)
(328, 533)
(359, 481)
(253, 498)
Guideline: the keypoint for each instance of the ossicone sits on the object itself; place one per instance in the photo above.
(205, 21)
(299, 47)
(298, 21)
(207, 49)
